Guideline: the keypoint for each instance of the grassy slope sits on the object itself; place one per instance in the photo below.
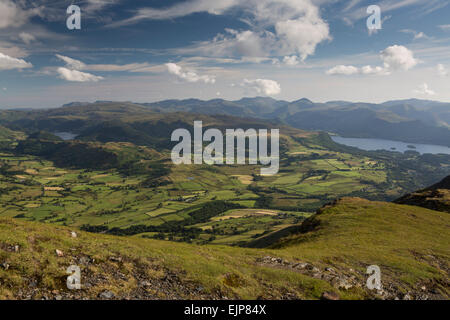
(409, 244)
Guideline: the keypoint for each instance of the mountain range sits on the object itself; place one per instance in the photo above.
(413, 121)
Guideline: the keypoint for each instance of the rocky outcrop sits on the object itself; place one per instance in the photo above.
(436, 197)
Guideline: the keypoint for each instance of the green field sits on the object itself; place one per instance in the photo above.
(135, 197)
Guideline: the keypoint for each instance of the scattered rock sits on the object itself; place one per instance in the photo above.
(341, 283)
(407, 297)
(200, 289)
(59, 253)
(84, 260)
(301, 265)
(73, 234)
(106, 295)
(145, 284)
(330, 296)
(5, 265)
(9, 247)
(115, 259)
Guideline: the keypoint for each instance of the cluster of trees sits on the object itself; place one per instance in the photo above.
(179, 228)
(69, 154)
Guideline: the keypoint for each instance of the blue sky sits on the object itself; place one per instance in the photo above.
(145, 51)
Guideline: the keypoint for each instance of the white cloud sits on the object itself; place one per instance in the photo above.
(425, 90)
(11, 15)
(233, 43)
(189, 76)
(9, 63)
(442, 70)
(398, 58)
(445, 27)
(420, 35)
(12, 51)
(72, 63)
(291, 60)
(394, 58)
(182, 9)
(263, 86)
(302, 35)
(374, 70)
(96, 5)
(278, 27)
(417, 35)
(343, 70)
(26, 37)
(132, 67)
(77, 76)
(357, 9)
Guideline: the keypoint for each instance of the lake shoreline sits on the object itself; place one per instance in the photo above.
(371, 144)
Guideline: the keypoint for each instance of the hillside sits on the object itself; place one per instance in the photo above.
(408, 243)
(116, 177)
(418, 121)
(415, 121)
(436, 197)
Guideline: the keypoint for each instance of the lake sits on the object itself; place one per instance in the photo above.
(390, 145)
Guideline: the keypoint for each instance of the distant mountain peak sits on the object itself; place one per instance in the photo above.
(304, 101)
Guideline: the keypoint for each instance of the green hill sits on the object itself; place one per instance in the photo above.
(414, 121)
(331, 253)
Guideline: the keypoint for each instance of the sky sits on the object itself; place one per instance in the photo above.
(151, 50)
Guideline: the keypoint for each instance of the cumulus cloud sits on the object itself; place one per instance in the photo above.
(291, 60)
(442, 70)
(302, 35)
(277, 27)
(398, 58)
(374, 70)
(189, 76)
(343, 70)
(77, 76)
(9, 63)
(424, 90)
(263, 86)
(394, 58)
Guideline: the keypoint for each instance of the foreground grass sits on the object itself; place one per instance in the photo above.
(409, 244)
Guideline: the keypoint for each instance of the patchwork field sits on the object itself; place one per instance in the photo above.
(175, 203)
